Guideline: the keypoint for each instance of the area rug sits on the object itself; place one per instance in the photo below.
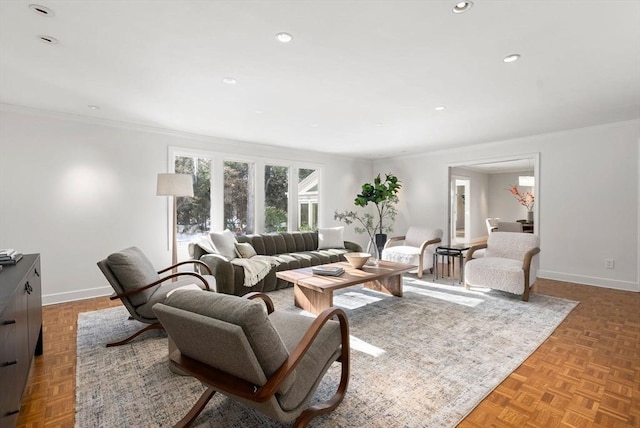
(423, 360)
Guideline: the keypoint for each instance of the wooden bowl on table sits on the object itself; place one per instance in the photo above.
(357, 260)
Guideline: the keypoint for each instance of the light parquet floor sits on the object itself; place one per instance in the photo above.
(587, 374)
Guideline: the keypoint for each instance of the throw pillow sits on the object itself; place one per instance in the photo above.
(330, 237)
(225, 243)
(245, 250)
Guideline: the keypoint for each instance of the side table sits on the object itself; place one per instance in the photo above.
(448, 251)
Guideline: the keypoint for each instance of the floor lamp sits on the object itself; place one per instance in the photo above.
(175, 185)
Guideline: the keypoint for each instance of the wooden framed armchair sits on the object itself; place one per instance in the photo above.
(272, 361)
(137, 284)
(510, 263)
(417, 249)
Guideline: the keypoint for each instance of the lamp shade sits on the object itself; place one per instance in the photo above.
(175, 185)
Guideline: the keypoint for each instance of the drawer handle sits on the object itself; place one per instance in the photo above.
(13, 412)
(9, 363)
(7, 322)
(36, 272)
(28, 287)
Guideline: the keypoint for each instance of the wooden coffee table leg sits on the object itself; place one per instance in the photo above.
(311, 300)
(389, 285)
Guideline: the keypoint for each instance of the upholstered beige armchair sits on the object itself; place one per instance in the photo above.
(272, 361)
(510, 263)
(137, 284)
(415, 248)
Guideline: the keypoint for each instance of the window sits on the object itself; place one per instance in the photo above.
(307, 199)
(276, 198)
(194, 213)
(239, 197)
(245, 195)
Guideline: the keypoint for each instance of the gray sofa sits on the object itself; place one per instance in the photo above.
(289, 250)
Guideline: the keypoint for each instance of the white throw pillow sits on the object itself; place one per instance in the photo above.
(245, 250)
(330, 237)
(224, 243)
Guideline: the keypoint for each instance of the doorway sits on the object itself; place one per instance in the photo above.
(460, 209)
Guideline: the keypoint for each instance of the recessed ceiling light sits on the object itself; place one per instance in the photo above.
(462, 6)
(284, 37)
(314, 125)
(511, 58)
(379, 124)
(48, 39)
(440, 108)
(93, 107)
(41, 10)
(259, 111)
(229, 80)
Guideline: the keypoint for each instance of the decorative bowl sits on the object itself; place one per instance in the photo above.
(357, 260)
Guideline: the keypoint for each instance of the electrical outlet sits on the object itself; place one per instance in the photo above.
(609, 263)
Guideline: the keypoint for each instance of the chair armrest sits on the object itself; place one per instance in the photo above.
(425, 244)
(473, 249)
(257, 295)
(160, 281)
(393, 239)
(196, 263)
(526, 268)
(273, 384)
(526, 262)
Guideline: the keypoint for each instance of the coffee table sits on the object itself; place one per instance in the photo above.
(314, 293)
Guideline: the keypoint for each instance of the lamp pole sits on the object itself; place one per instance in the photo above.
(174, 185)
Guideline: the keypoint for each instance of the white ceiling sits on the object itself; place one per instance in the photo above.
(360, 77)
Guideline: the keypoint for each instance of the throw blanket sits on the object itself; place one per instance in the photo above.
(255, 268)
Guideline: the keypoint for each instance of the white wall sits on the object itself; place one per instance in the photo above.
(75, 190)
(587, 194)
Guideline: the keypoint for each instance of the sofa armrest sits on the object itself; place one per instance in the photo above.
(222, 270)
(352, 246)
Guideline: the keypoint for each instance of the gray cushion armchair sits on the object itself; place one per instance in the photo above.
(137, 284)
(269, 360)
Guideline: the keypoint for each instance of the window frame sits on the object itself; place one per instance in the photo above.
(217, 184)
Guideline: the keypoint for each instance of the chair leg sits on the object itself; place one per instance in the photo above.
(197, 408)
(156, 326)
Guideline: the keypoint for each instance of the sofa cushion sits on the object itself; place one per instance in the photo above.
(330, 237)
(224, 243)
(133, 270)
(245, 250)
(299, 240)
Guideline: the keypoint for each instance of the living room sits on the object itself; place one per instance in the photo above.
(80, 183)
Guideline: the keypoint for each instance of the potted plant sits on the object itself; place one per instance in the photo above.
(384, 195)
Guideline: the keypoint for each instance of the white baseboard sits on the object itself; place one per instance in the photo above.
(70, 296)
(590, 280)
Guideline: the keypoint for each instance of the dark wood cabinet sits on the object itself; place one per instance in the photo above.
(20, 331)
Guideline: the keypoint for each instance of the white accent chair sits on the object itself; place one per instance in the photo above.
(510, 263)
(417, 249)
(492, 224)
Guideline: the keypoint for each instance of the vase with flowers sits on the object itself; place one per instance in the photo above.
(526, 199)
